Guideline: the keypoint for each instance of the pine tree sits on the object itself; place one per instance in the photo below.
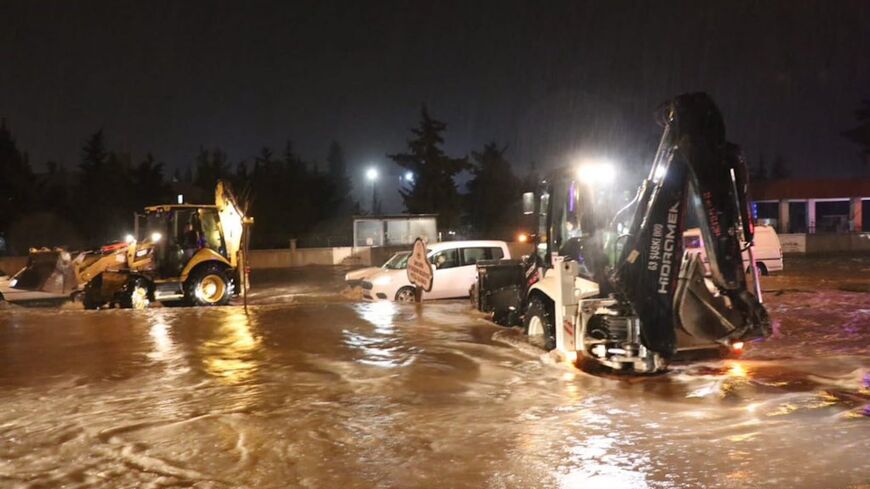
(433, 189)
(338, 180)
(16, 179)
(148, 184)
(211, 166)
(759, 172)
(861, 134)
(492, 192)
(779, 170)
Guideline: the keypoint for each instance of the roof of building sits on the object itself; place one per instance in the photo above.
(822, 188)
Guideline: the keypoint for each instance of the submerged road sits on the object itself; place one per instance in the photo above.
(313, 389)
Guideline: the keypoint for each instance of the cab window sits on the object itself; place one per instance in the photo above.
(445, 259)
(211, 232)
(471, 256)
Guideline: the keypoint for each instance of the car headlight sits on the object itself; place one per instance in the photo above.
(384, 280)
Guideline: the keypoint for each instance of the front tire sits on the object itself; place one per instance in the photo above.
(208, 286)
(538, 321)
(136, 294)
(406, 295)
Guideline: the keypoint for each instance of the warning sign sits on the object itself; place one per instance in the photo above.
(419, 269)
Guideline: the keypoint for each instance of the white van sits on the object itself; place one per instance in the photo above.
(766, 248)
(455, 270)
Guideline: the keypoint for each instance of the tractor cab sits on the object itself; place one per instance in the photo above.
(175, 233)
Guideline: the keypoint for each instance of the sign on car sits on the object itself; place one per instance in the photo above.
(419, 269)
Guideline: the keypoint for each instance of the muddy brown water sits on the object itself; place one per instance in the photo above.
(312, 389)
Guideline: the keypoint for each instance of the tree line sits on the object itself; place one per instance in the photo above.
(94, 202)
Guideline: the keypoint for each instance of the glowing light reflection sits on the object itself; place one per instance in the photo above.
(230, 356)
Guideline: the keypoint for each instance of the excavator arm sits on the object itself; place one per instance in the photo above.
(666, 290)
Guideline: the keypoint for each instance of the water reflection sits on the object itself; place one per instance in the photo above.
(231, 355)
(383, 348)
(164, 347)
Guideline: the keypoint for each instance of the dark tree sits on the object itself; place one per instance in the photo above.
(433, 190)
(16, 180)
(532, 178)
(492, 193)
(860, 135)
(148, 184)
(779, 171)
(337, 171)
(103, 191)
(758, 172)
(211, 166)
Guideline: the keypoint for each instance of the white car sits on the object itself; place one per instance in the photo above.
(455, 269)
(766, 248)
(396, 262)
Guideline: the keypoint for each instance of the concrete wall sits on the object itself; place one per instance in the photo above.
(819, 244)
(284, 258)
(838, 243)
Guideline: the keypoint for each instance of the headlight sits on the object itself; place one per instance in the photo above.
(129, 239)
(384, 280)
(155, 237)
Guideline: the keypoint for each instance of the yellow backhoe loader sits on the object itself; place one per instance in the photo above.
(190, 253)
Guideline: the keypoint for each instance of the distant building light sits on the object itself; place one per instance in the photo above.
(180, 198)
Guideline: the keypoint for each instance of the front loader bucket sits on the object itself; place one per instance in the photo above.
(46, 271)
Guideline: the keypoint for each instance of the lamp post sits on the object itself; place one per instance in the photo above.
(372, 176)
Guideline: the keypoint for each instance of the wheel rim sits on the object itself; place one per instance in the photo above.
(536, 326)
(139, 297)
(211, 289)
(405, 295)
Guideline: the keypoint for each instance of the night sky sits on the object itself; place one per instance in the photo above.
(548, 79)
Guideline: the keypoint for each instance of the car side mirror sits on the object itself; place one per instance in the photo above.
(528, 203)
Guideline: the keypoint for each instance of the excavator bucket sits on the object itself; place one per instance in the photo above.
(47, 270)
(232, 219)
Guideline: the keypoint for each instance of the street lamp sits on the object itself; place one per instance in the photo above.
(372, 176)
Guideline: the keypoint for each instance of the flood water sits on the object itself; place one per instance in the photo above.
(312, 389)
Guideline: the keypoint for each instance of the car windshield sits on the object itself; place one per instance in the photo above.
(399, 261)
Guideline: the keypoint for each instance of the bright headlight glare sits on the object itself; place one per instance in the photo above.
(597, 172)
(383, 280)
(129, 239)
(155, 237)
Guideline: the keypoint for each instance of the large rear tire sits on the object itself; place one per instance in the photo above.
(539, 321)
(208, 285)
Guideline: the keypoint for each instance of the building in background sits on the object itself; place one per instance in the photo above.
(394, 230)
(813, 206)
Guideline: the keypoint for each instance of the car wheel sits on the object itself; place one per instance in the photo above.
(136, 294)
(405, 294)
(538, 322)
(208, 286)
